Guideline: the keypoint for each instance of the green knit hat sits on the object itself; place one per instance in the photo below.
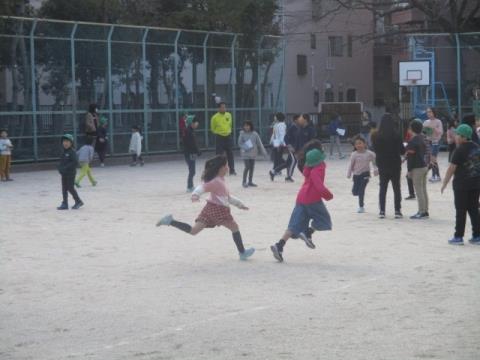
(68, 137)
(465, 131)
(314, 157)
(189, 119)
(103, 120)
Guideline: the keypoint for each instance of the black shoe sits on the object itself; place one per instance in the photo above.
(77, 205)
(381, 215)
(245, 185)
(398, 215)
(289, 179)
(63, 206)
(233, 173)
(251, 184)
(272, 175)
(276, 253)
(419, 216)
(410, 197)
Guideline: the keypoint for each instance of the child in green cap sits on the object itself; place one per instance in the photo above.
(309, 205)
(465, 169)
(102, 140)
(68, 169)
(190, 148)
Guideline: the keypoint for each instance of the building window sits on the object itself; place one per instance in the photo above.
(351, 95)
(340, 96)
(329, 96)
(350, 46)
(301, 65)
(313, 41)
(335, 46)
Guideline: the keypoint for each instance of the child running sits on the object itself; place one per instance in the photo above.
(250, 145)
(68, 169)
(465, 169)
(85, 157)
(360, 169)
(136, 146)
(5, 156)
(309, 205)
(217, 210)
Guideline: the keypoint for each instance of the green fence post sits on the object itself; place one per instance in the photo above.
(34, 91)
(233, 81)
(145, 88)
(74, 82)
(205, 89)
(259, 87)
(177, 105)
(459, 76)
(110, 88)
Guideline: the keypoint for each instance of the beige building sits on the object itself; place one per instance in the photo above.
(327, 58)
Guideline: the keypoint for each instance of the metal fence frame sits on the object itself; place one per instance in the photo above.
(263, 112)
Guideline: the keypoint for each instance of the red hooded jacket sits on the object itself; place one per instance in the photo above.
(313, 189)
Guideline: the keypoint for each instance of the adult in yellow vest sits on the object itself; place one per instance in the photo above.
(221, 126)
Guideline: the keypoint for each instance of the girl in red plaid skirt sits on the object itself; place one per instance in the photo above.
(217, 210)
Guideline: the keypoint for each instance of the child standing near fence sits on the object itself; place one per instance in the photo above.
(5, 155)
(217, 210)
(136, 146)
(68, 169)
(85, 157)
(360, 169)
(250, 145)
(102, 140)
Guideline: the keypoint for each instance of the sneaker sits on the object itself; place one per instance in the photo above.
(133, 164)
(77, 205)
(361, 210)
(419, 216)
(102, 165)
(308, 241)
(456, 241)
(475, 240)
(277, 254)
(142, 163)
(410, 197)
(77, 184)
(245, 185)
(272, 175)
(251, 184)
(381, 215)
(166, 220)
(233, 173)
(246, 254)
(398, 215)
(94, 183)
(289, 179)
(190, 190)
(9, 179)
(341, 157)
(63, 206)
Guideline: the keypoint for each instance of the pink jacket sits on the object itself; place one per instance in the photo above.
(313, 189)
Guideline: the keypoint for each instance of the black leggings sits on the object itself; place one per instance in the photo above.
(290, 164)
(360, 183)
(277, 156)
(68, 186)
(386, 177)
(249, 167)
(466, 201)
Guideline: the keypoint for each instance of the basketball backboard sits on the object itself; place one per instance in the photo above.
(414, 73)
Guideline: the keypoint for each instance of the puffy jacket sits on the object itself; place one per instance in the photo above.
(313, 189)
(190, 142)
(68, 162)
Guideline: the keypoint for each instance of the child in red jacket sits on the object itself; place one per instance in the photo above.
(309, 205)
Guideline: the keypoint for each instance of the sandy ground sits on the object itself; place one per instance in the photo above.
(105, 283)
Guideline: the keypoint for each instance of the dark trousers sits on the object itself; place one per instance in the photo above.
(359, 185)
(386, 177)
(101, 150)
(411, 189)
(278, 156)
(68, 186)
(223, 145)
(190, 160)
(135, 158)
(290, 164)
(248, 171)
(466, 201)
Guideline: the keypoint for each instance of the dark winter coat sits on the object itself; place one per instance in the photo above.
(68, 163)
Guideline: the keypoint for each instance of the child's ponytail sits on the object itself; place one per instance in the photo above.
(212, 167)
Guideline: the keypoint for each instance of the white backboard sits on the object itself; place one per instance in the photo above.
(414, 73)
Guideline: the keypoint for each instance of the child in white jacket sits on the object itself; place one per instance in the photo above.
(136, 146)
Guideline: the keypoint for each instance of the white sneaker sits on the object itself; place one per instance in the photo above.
(361, 210)
(166, 220)
(102, 165)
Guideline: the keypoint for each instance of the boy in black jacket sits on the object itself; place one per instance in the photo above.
(190, 149)
(68, 169)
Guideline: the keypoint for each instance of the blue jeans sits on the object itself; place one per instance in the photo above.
(190, 160)
(359, 184)
(302, 214)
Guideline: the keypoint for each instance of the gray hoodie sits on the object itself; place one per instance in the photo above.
(250, 145)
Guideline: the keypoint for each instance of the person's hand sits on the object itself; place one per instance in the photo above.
(195, 198)
(443, 188)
